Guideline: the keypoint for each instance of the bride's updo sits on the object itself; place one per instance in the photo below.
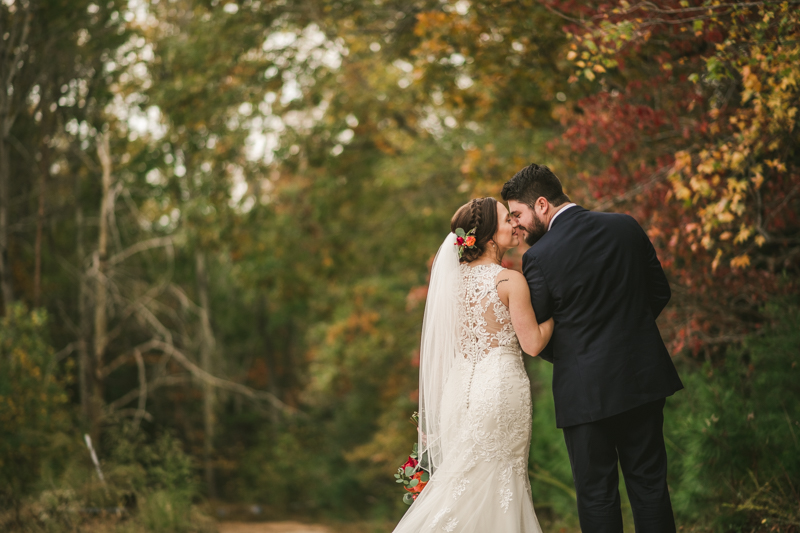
(479, 213)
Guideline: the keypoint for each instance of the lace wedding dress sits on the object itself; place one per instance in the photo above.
(481, 481)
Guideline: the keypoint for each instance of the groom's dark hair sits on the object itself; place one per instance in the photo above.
(533, 182)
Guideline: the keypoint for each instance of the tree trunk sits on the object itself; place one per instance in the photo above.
(206, 355)
(12, 48)
(84, 360)
(262, 326)
(5, 270)
(101, 288)
(44, 170)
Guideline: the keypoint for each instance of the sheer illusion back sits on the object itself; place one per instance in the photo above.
(484, 320)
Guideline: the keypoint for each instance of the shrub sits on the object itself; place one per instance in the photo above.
(738, 431)
(34, 414)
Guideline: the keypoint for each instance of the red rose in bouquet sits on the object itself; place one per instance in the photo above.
(412, 462)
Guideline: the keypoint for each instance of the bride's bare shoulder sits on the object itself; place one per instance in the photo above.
(512, 276)
(509, 282)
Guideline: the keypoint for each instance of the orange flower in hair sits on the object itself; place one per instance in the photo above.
(464, 240)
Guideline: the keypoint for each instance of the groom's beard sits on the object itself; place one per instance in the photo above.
(533, 234)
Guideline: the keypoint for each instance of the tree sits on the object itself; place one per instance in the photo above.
(709, 88)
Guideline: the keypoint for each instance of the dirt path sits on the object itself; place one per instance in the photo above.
(270, 527)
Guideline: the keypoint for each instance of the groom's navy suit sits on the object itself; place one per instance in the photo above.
(598, 275)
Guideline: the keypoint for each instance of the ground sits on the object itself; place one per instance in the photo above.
(271, 527)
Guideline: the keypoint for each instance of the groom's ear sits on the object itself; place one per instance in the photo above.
(541, 205)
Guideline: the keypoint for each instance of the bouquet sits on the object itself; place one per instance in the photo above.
(411, 474)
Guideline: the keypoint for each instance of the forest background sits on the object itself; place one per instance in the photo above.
(217, 218)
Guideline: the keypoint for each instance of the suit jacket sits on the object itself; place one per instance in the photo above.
(598, 275)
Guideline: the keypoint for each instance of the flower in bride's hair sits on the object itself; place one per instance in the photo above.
(464, 239)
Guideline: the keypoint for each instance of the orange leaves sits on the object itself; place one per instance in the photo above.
(472, 158)
(750, 80)
(355, 324)
(740, 261)
(431, 22)
(743, 235)
(416, 296)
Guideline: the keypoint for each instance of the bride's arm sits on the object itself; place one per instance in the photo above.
(512, 288)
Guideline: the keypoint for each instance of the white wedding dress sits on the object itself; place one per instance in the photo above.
(481, 483)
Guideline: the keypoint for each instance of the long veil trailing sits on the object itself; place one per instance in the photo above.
(437, 352)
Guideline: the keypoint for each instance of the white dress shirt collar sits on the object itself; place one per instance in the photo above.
(558, 213)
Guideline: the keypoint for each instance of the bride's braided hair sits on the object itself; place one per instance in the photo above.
(481, 214)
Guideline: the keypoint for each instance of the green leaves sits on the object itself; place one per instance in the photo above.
(34, 406)
(716, 69)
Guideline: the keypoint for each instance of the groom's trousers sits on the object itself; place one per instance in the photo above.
(635, 439)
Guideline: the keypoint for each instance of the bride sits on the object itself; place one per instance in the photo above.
(475, 401)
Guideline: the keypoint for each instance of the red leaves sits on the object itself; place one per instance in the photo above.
(607, 122)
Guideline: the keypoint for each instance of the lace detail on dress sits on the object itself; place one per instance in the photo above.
(484, 320)
(460, 487)
(439, 516)
(496, 419)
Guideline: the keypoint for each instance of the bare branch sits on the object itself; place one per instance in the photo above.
(10, 116)
(129, 396)
(140, 247)
(112, 214)
(145, 314)
(140, 412)
(131, 307)
(113, 365)
(657, 176)
(65, 351)
(184, 298)
(135, 412)
(90, 164)
(220, 383)
(198, 374)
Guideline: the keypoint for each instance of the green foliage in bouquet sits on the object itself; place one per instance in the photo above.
(411, 474)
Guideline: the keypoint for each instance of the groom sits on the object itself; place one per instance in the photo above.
(598, 275)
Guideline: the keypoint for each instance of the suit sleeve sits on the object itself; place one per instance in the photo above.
(658, 289)
(541, 298)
